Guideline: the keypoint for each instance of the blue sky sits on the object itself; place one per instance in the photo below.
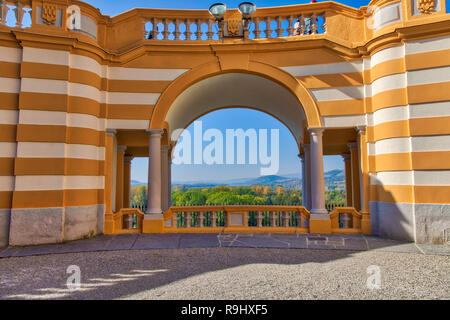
(224, 119)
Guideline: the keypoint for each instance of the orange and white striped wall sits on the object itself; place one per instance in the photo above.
(74, 109)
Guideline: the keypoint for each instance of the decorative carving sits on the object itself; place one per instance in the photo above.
(49, 13)
(233, 23)
(426, 6)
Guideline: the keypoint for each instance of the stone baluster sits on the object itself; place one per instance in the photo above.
(290, 28)
(302, 28)
(210, 33)
(314, 25)
(166, 32)
(259, 219)
(177, 32)
(187, 219)
(201, 218)
(286, 219)
(155, 28)
(324, 26)
(273, 219)
(213, 219)
(268, 28)
(279, 29)
(198, 33)
(188, 29)
(19, 13)
(175, 220)
(256, 31)
(4, 9)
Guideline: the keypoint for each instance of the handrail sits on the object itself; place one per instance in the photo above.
(350, 218)
(243, 218)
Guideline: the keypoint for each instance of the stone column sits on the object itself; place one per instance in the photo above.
(154, 208)
(304, 191)
(169, 184)
(127, 181)
(164, 178)
(348, 179)
(306, 150)
(356, 194)
(120, 177)
(364, 179)
(319, 218)
(109, 170)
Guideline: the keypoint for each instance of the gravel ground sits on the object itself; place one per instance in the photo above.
(227, 273)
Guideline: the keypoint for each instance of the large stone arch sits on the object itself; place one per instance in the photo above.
(223, 66)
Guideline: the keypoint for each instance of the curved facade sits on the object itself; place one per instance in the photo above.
(77, 103)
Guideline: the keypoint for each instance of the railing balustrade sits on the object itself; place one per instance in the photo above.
(12, 13)
(201, 26)
(227, 218)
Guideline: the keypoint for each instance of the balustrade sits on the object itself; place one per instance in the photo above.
(282, 218)
(12, 13)
(205, 28)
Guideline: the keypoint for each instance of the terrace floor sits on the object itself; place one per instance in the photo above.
(179, 241)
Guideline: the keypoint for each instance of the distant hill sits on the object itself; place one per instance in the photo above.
(333, 179)
(137, 183)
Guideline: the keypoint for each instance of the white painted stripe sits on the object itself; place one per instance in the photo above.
(428, 45)
(428, 110)
(9, 116)
(390, 82)
(412, 144)
(58, 118)
(328, 68)
(132, 98)
(59, 150)
(388, 115)
(427, 76)
(55, 118)
(37, 183)
(342, 93)
(8, 54)
(79, 120)
(87, 64)
(38, 55)
(394, 178)
(119, 73)
(8, 149)
(9, 85)
(392, 145)
(432, 178)
(409, 178)
(6, 183)
(127, 124)
(344, 121)
(85, 91)
(387, 55)
(44, 86)
(430, 143)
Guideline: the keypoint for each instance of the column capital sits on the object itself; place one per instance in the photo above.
(111, 132)
(121, 148)
(352, 145)
(316, 130)
(346, 156)
(128, 159)
(361, 129)
(155, 132)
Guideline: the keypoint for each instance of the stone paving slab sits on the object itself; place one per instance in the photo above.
(173, 241)
(157, 241)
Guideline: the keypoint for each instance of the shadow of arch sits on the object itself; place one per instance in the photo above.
(212, 69)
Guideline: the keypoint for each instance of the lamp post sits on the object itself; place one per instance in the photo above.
(218, 10)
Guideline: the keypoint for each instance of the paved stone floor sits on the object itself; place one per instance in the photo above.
(226, 266)
(174, 241)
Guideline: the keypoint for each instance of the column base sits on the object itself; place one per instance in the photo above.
(366, 227)
(152, 226)
(320, 222)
